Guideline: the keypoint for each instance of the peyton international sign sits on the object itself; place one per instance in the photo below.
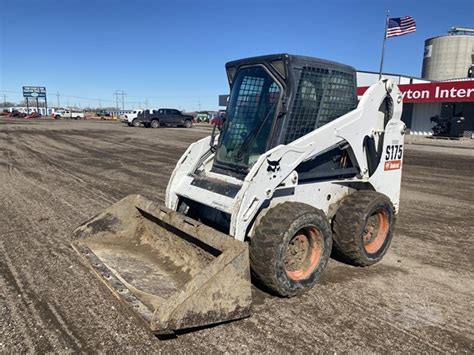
(34, 91)
(451, 91)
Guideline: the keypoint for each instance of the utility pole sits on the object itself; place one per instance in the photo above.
(116, 99)
(146, 103)
(57, 95)
(4, 100)
(122, 94)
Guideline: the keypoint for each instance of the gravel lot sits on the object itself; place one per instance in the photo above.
(56, 174)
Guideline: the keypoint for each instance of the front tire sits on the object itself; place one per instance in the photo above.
(188, 124)
(363, 228)
(155, 124)
(290, 248)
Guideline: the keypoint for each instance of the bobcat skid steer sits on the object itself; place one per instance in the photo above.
(299, 171)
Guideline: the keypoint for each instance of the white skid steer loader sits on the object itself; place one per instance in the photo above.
(298, 172)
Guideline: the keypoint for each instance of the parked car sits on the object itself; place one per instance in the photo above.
(69, 114)
(164, 117)
(130, 118)
(102, 114)
(202, 117)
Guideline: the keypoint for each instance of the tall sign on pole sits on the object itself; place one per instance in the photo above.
(35, 92)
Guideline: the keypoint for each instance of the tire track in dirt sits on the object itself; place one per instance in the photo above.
(30, 305)
(115, 189)
(36, 306)
(54, 328)
(97, 193)
(51, 242)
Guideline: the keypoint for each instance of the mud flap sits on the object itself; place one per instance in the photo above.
(172, 271)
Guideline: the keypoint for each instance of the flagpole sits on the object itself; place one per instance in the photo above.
(383, 44)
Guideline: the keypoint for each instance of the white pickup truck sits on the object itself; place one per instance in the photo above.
(75, 114)
(128, 118)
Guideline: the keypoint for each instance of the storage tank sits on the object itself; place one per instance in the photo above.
(450, 56)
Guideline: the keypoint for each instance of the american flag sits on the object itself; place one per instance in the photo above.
(400, 26)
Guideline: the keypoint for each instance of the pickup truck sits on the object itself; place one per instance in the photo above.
(68, 114)
(130, 119)
(164, 117)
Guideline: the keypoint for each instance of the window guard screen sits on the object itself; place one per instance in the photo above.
(322, 96)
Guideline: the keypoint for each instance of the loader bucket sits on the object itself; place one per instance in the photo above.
(172, 271)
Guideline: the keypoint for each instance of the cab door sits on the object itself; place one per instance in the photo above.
(177, 117)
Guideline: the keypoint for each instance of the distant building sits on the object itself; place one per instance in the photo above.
(450, 56)
(24, 109)
(446, 88)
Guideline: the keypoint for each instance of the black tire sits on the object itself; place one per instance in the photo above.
(363, 228)
(136, 123)
(188, 124)
(155, 124)
(290, 248)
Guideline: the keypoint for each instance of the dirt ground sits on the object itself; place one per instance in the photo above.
(56, 174)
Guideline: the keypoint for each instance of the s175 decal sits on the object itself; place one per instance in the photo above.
(394, 152)
(393, 157)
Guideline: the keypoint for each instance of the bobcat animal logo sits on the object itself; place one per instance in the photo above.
(273, 165)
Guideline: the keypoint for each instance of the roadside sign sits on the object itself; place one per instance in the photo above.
(34, 91)
(223, 100)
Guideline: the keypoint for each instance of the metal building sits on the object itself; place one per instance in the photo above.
(450, 56)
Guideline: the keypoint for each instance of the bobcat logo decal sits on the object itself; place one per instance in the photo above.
(273, 165)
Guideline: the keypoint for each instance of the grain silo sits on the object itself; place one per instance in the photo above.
(449, 56)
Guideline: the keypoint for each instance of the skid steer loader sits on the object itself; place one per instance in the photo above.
(299, 171)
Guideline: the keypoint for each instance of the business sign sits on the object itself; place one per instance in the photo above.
(449, 91)
(34, 91)
(223, 100)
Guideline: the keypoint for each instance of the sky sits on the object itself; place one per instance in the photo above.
(173, 53)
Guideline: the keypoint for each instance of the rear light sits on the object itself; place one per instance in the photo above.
(126, 116)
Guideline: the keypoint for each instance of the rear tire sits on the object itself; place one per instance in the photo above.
(155, 124)
(136, 123)
(363, 228)
(290, 248)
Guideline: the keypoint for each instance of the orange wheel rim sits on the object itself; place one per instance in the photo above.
(376, 231)
(303, 253)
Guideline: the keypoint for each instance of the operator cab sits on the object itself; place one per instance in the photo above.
(275, 100)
